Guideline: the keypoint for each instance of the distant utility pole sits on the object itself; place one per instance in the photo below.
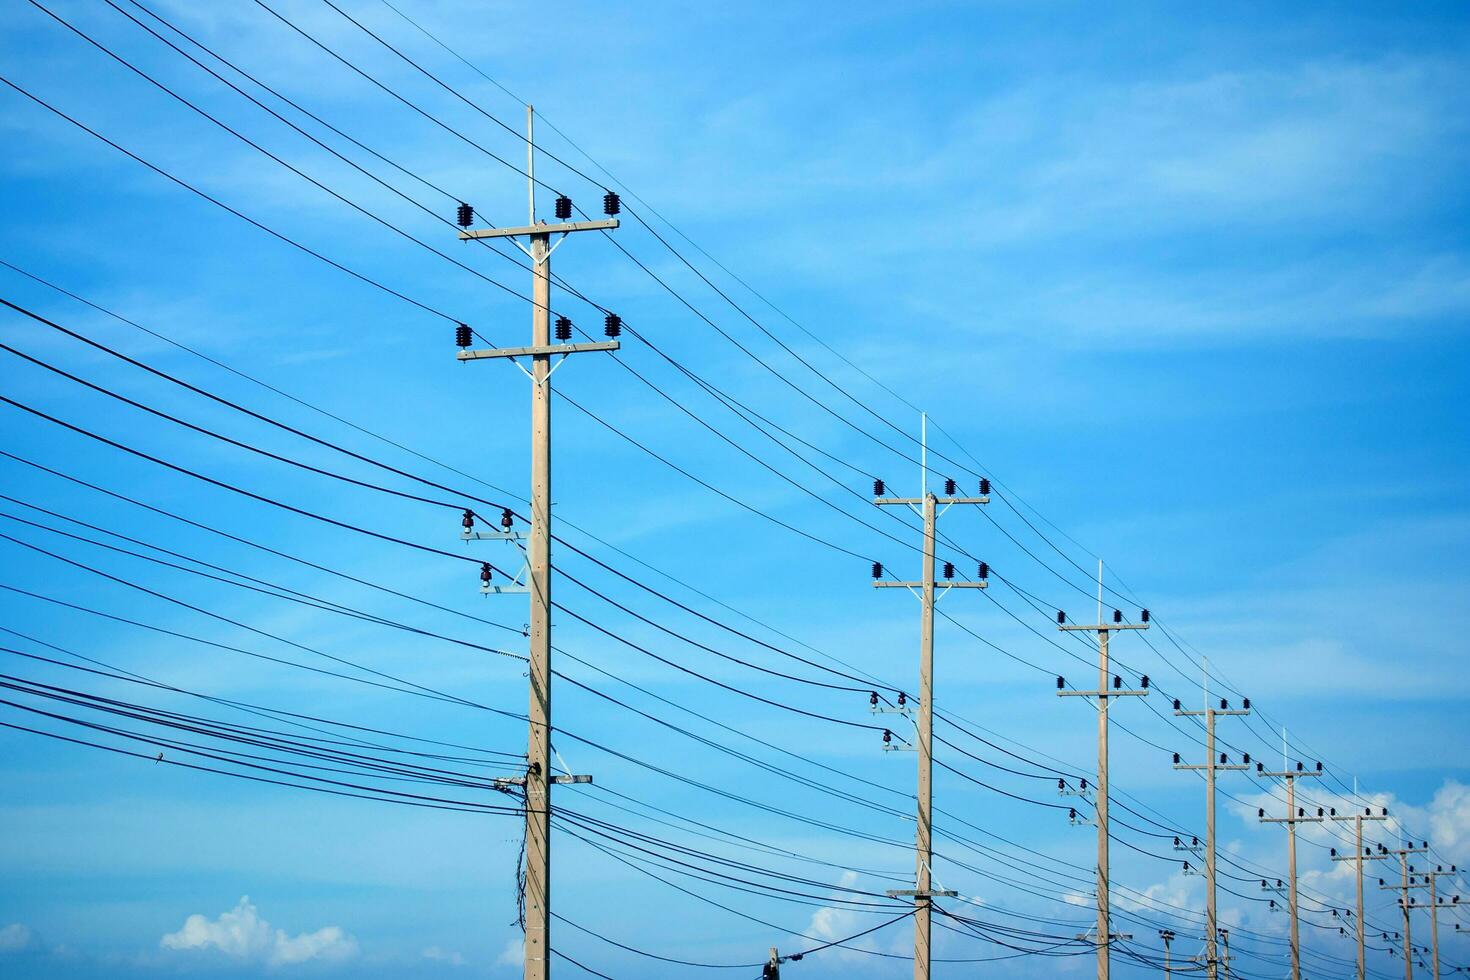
(1225, 957)
(1212, 922)
(1435, 904)
(1295, 815)
(1361, 854)
(1167, 935)
(1405, 852)
(1105, 935)
(929, 592)
(538, 777)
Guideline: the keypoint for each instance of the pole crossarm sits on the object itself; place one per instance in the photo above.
(563, 228)
(536, 350)
(941, 584)
(1102, 627)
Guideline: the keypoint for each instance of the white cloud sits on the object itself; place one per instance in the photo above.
(241, 934)
(444, 956)
(514, 953)
(18, 938)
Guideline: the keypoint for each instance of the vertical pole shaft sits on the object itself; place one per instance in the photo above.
(1362, 938)
(924, 844)
(1168, 971)
(1211, 922)
(538, 761)
(1434, 920)
(1227, 956)
(1296, 946)
(1104, 925)
(1404, 902)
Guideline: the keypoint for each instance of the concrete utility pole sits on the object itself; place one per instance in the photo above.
(1167, 935)
(929, 592)
(1361, 854)
(1295, 815)
(538, 779)
(1212, 921)
(1435, 904)
(1406, 883)
(1105, 935)
(1225, 956)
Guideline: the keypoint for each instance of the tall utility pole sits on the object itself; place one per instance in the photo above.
(1225, 956)
(1406, 883)
(929, 592)
(1361, 854)
(1212, 922)
(1167, 935)
(1294, 816)
(1105, 936)
(1435, 904)
(538, 779)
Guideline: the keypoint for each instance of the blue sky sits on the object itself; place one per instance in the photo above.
(1190, 285)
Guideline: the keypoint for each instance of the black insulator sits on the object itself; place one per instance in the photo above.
(1320, 812)
(873, 698)
(1246, 758)
(1061, 617)
(984, 487)
(1117, 616)
(1177, 842)
(1332, 811)
(1260, 767)
(983, 571)
(949, 488)
(506, 518)
(1143, 682)
(1224, 705)
(887, 736)
(463, 336)
(1246, 704)
(1333, 854)
(1144, 616)
(563, 207)
(1176, 704)
(1061, 683)
(1261, 812)
(1194, 842)
(485, 572)
(1319, 767)
(903, 699)
(612, 325)
(1061, 784)
(468, 520)
(878, 488)
(563, 328)
(465, 215)
(1176, 762)
(1117, 682)
(949, 569)
(1084, 784)
(1223, 758)
(611, 204)
(1071, 813)
(1301, 811)
(877, 569)
(1298, 767)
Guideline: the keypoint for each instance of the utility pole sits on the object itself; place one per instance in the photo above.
(1295, 815)
(772, 968)
(1361, 854)
(1105, 935)
(1167, 935)
(929, 592)
(538, 779)
(1212, 922)
(1225, 956)
(1435, 904)
(1403, 854)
